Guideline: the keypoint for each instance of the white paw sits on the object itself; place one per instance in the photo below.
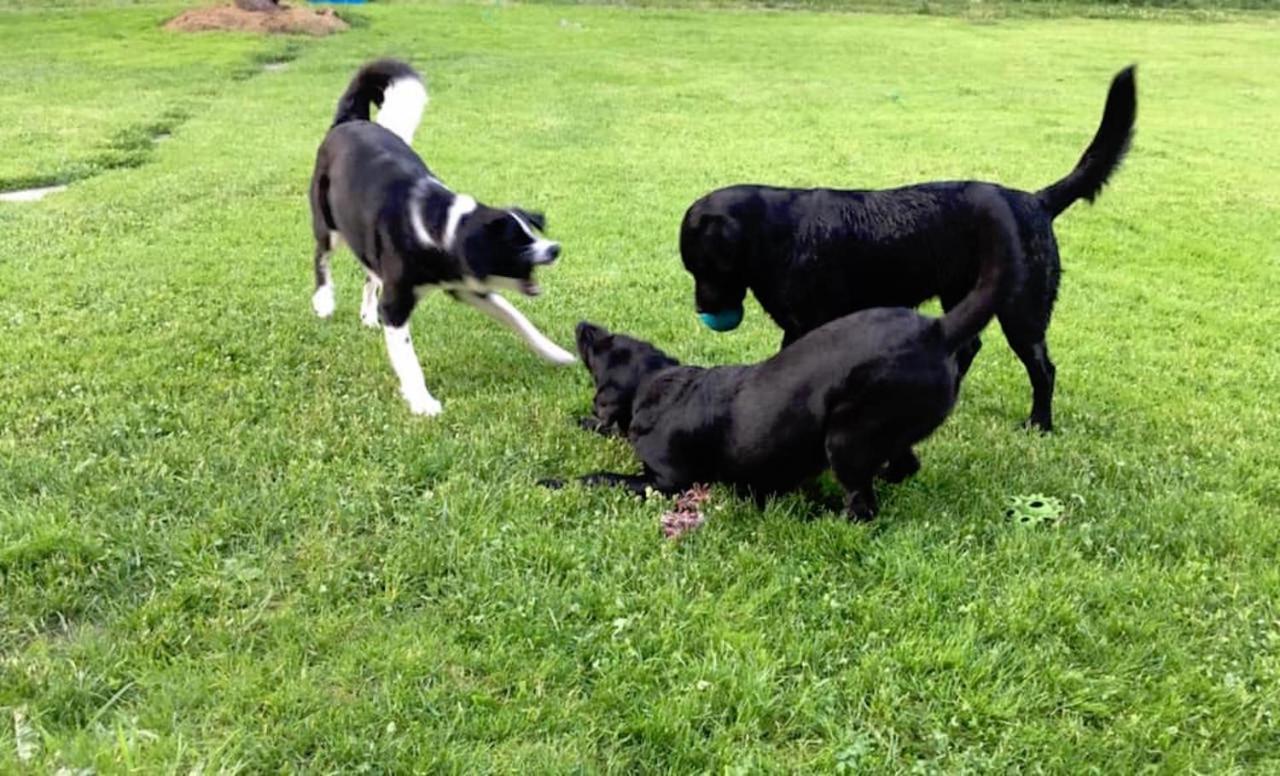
(322, 301)
(424, 405)
(558, 355)
(369, 317)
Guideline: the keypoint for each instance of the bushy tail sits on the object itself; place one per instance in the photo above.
(1104, 154)
(999, 254)
(394, 87)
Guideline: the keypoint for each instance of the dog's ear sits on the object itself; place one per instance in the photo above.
(721, 236)
(537, 219)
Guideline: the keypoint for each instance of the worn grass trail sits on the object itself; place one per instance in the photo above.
(224, 542)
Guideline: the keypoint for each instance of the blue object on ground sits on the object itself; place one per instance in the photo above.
(725, 320)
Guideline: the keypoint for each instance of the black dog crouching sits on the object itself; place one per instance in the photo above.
(854, 395)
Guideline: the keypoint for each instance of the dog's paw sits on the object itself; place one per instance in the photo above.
(322, 301)
(1039, 424)
(596, 426)
(900, 468)
(424, 405)
(369, 317)
(552, 483)
(860, 506)
(557, 355)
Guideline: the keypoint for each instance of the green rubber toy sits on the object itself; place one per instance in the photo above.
(1034, 509)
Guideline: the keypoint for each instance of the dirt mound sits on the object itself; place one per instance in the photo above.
(285, 19)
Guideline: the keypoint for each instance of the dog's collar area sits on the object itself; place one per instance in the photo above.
(724, 320)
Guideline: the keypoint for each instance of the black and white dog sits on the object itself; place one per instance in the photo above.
(411, 233)
(854, 394)
(813, 255)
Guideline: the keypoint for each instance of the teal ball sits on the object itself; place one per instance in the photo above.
(725, 320)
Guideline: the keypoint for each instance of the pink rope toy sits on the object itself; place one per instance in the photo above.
(686, 516)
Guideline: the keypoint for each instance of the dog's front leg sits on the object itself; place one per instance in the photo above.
(638, 484)
(395, 315)
(369, 303)
(598, 426)
(503, 312)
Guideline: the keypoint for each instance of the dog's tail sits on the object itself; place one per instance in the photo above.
(999, 255)
(394, 87)
(1104, 154)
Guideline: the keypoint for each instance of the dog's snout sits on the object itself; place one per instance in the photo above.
(543, 252)
(586, 333)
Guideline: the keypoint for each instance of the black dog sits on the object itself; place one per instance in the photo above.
(409, 231)
(854, 394)
(813, 255)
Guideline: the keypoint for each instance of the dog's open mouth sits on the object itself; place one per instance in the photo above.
(529, 287)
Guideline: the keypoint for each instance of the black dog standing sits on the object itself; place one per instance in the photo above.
(813, 255)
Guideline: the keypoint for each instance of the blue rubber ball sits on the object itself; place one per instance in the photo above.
(725, 320)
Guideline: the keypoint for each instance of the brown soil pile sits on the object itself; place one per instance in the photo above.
(286, 20)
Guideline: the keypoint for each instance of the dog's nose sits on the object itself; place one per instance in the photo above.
(553, 252)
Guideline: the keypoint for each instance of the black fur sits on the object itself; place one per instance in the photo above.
(366, 182)
(813, 255)
(373, 190)
(854, 394)
(368, 87)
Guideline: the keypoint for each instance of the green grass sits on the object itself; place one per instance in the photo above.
(985, 10)
(225, 544)
(85, 90)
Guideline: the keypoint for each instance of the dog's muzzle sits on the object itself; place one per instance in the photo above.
(546, 253)
(725, 320)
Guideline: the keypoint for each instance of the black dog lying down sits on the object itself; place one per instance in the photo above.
(813, 255)
(855, 394)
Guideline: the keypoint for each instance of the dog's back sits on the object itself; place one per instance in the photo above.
(364, 180)
(812, 255)
(364, 166)
(855, 393)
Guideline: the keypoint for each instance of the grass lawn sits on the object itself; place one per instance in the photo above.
(225, 544)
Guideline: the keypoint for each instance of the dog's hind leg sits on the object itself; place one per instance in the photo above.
(856, 451)
(503, 312)
(1024, 318)
(369, 302)
(875, 437)
(1024, 328)
(326, 234)
(322, 301)
(1035, 357)
(900, 466)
